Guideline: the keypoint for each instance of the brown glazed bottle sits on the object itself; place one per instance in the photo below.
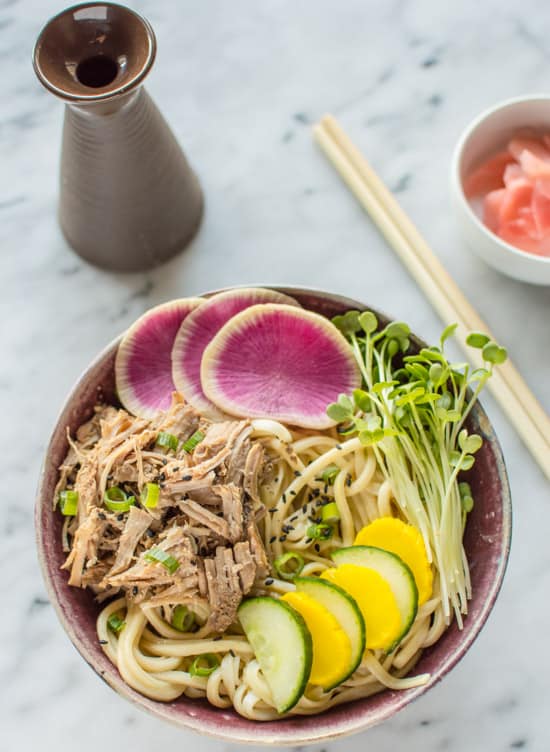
(128, 198)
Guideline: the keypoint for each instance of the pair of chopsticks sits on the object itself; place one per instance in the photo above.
(510, 390)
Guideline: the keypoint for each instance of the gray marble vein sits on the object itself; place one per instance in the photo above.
(241, 83)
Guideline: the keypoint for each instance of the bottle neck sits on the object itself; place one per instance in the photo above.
(104, 107)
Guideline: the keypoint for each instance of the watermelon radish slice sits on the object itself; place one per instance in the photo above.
(143, 365)
(197, 331)
(280, 362)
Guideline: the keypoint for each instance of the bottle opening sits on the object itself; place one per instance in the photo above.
(94, 51)
(96, 71)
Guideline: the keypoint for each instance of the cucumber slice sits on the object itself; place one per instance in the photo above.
(346, 612)
(282, 645)
(396, 573)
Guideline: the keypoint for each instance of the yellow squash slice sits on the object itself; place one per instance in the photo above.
(331, 645)
(405, 541)
(376, 602)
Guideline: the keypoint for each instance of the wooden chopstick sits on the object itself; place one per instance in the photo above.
(507, 385)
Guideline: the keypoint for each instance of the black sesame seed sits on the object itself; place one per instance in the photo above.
(287, 528)
(348, 480)
(325, 489)
(304, 508)
(120, 517)
(317, 547)
(162, 476)
(102, 516)
(272, 510)
(338, 446)
(282, 538)
(162, 485)
(319, 503)
(269, 581)
(284, 498)
(293, 493)
(103, 642)
(135, 590)
(308, 540)
(150, 533)
(217, 637)
(164, 461)
(315, 493)
(231, 653)
(187, 477)
(273, 539)
(294, 518)
(297, 473)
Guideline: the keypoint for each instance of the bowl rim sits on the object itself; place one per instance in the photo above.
(258, 733)
(458, 187)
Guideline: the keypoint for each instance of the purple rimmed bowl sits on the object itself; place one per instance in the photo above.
(487, 543)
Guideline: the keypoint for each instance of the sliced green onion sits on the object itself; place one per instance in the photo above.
(319, 532)
(117, 501)
(150, 495)
(168, 440)
(329, 473)
(198, 667)
(115, 623)
(193, 441)
(289, 565)
(182, 619)
(68, 503)
(330, 512)
(159, 556)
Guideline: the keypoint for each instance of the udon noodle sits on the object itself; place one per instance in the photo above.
(154, 658)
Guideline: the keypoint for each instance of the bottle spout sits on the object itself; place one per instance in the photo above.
(94, 52)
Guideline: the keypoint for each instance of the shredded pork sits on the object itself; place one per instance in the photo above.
(206, 517)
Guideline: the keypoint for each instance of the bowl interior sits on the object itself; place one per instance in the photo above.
(487, 543)
(493, 129)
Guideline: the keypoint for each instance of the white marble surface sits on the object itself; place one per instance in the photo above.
(240, 83)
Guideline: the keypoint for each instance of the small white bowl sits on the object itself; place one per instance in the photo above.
(488, 133)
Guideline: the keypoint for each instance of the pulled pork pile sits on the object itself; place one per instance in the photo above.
(206, 516)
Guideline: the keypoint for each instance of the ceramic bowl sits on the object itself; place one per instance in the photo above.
(487, 542)
(486, 134)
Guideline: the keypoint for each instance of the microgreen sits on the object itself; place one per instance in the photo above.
(476, 339)
(411, 410)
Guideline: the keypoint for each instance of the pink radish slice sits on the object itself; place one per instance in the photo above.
(280, 362)
(197, 331)
(143, 364)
